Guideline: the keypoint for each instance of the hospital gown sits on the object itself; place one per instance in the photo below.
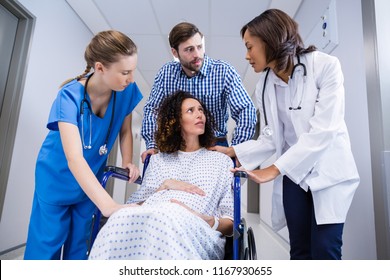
(160, 229)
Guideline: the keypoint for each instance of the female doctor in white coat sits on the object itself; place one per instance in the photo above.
(301, 101)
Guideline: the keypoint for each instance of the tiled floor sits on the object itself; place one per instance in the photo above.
(13, 255)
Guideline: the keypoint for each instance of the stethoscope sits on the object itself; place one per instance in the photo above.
(103, 149)
(267, 130)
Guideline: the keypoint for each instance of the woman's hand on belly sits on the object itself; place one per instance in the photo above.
(224, 225)
(171, 184)
(206, 218)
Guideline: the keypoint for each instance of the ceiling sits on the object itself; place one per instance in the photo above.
(148, 23)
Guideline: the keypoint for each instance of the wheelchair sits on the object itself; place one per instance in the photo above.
(240, 246)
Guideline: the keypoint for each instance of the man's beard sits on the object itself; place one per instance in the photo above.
(190, 66)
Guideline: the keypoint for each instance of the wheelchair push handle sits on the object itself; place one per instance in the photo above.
(120, 173)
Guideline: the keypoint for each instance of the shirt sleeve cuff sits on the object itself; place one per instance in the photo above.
(151, 145)
(281, 170)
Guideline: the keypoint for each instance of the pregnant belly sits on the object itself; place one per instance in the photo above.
(194, 201)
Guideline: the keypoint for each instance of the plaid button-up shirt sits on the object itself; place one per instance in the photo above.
(217, 85)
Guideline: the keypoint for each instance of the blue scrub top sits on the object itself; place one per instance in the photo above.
(54, 182)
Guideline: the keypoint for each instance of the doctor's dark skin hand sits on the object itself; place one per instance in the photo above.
(259, 175)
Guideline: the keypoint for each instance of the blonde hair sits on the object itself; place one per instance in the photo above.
(106, 47)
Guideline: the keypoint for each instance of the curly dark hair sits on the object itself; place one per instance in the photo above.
(168, 135)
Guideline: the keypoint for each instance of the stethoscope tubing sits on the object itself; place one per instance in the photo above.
(262, 97)
(299, 64)
(103, 148)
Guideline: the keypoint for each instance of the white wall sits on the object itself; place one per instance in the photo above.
(57, 53)
(359, 230)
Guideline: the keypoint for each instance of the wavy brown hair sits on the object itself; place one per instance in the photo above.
(181, 33)
(168, 135)
(280, 34)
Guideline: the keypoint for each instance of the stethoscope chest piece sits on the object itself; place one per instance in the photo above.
(103, 150)
(267, 131)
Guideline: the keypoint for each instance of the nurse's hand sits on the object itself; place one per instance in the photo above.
(261, 175)
(108, 211)
(133, 172)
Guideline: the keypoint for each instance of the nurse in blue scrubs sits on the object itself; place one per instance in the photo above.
(90, 111)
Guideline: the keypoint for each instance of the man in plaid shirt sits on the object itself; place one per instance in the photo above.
(216, 83)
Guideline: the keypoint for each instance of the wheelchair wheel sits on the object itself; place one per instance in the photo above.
(247, 243)
(252, 255)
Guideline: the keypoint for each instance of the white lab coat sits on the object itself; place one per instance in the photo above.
(321, 159)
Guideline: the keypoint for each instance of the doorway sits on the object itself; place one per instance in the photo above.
(16, 28)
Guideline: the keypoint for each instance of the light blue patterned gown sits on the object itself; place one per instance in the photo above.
(160, 229)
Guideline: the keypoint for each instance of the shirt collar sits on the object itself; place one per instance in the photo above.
(276, 80)
(206, 65)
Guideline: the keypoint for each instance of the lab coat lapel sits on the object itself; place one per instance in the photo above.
(278, 217)
(273, 115)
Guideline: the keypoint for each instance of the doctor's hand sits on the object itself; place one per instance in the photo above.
(133, 172)
(229, 151)
(261, 175)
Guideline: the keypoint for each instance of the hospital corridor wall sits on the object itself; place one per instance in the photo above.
(56, 53)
